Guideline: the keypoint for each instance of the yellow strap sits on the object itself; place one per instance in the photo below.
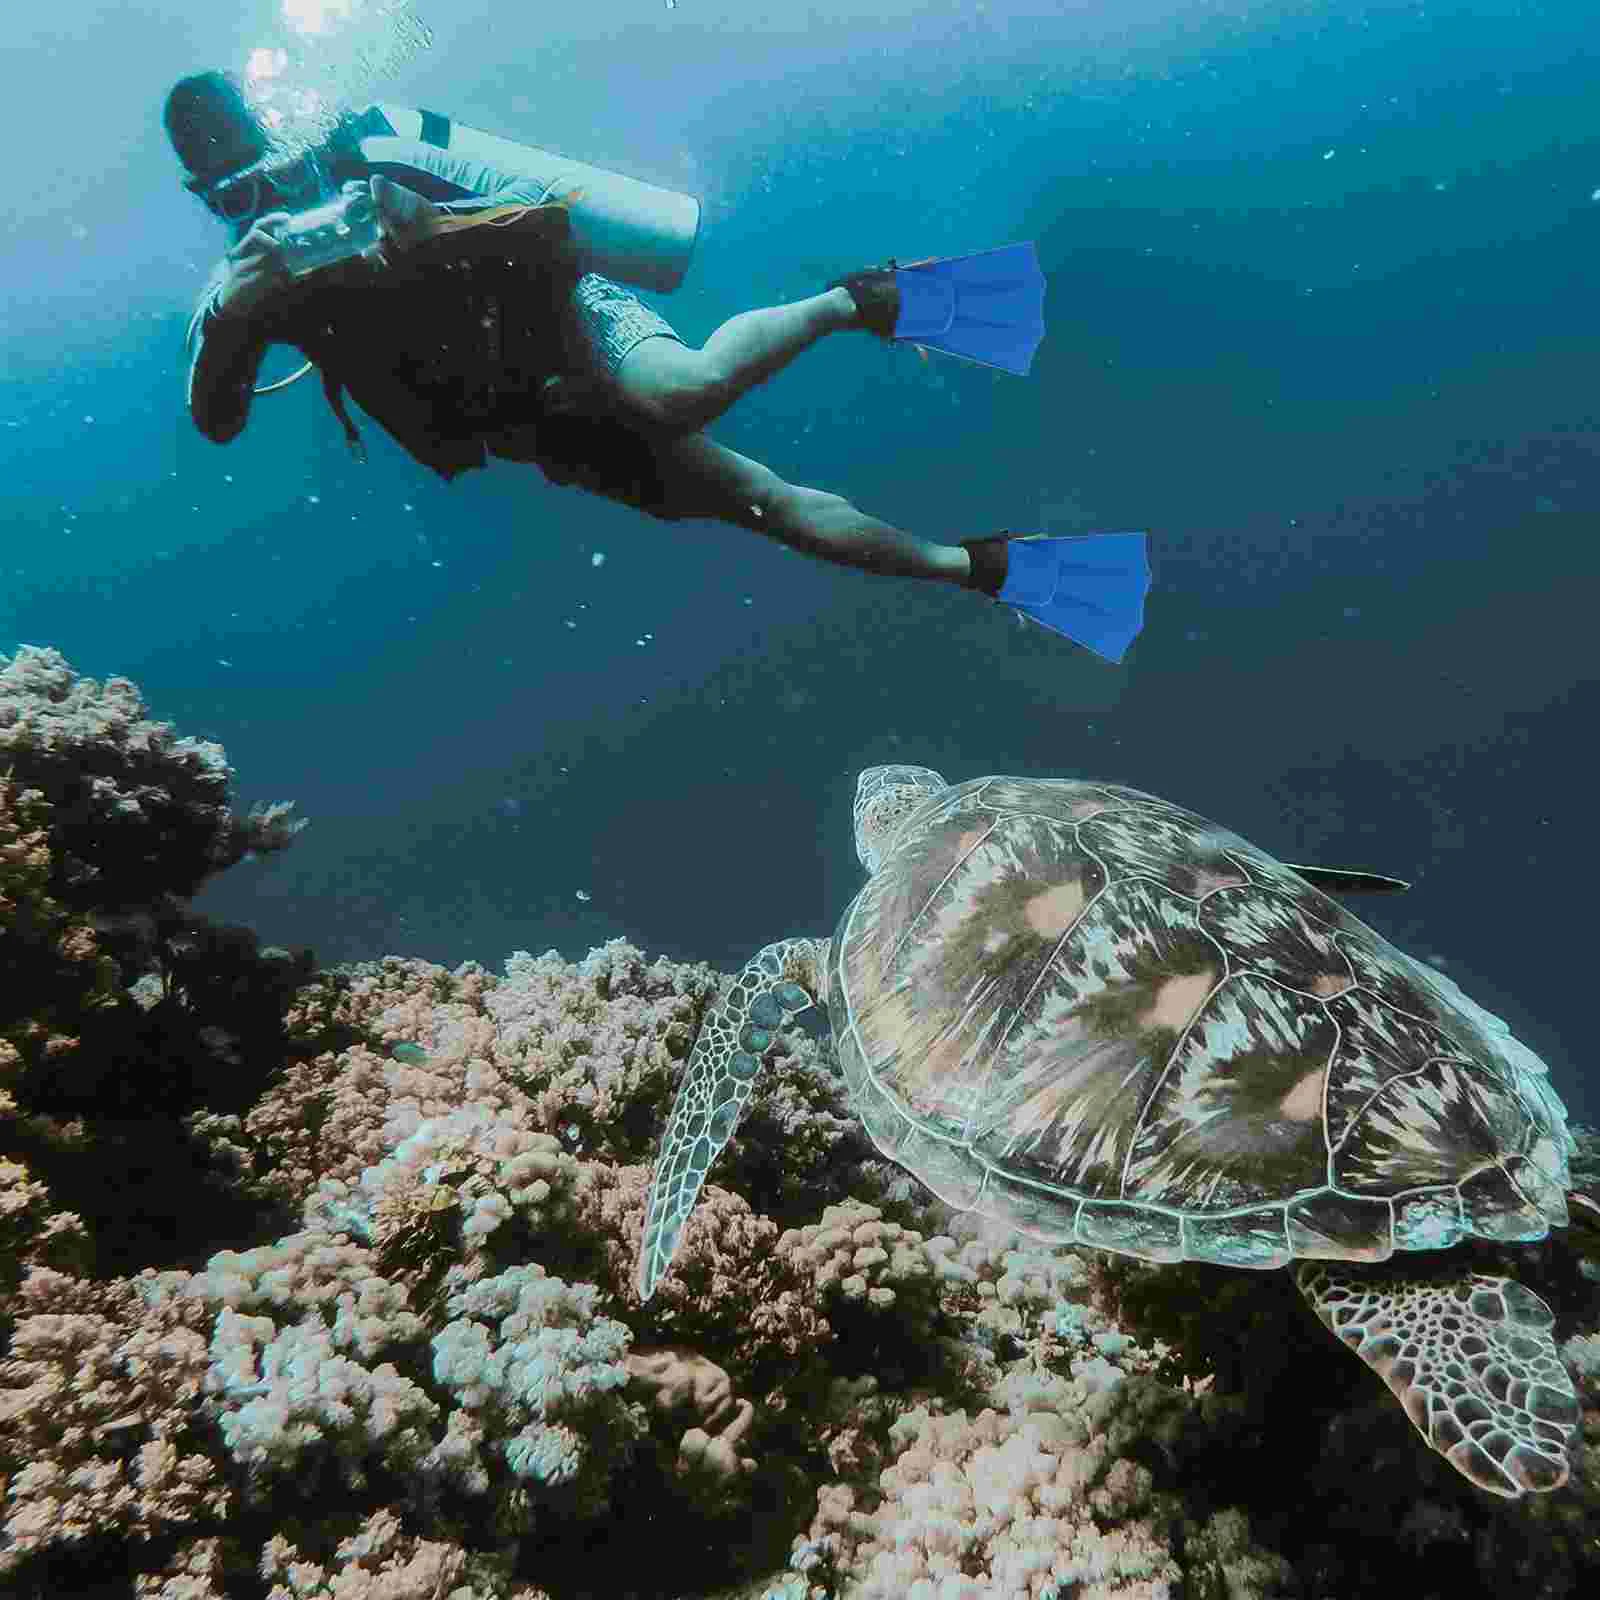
(444, 222)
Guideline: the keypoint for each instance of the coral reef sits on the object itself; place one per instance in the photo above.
(681, 1382)
(137, 812)
(374, 1334)
(101, 1417)
(1025, 1499)
(123, 1014)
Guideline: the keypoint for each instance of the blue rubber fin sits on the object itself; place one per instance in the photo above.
(1090, 588)
(987, 307)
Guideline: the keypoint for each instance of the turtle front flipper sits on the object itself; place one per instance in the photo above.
(1469, 1357)
(1349, 880)
(783, 979)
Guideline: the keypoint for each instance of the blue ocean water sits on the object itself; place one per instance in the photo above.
(1321, 318)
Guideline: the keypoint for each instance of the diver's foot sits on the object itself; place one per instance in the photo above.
(990, 563)
(877, 299)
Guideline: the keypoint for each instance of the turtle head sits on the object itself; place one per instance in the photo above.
(885, 797)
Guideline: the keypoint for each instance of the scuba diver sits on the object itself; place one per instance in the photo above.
(467, 292)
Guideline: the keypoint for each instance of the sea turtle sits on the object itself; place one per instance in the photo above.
(1105, 1021)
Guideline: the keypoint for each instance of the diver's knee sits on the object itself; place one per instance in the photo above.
(674, 388)
(690, 403)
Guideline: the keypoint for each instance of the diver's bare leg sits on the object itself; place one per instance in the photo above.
(661, 381)
(707, 479)
(678, 388)
(827, 525)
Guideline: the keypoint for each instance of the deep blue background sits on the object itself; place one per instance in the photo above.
(1322, 318)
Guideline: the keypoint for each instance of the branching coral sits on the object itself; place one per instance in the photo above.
(32, 1232)
(54, 975)
(552, 1049)
(853, 1254)
(685, 1386)
(383, 1561)
(588, 1052)
(536, 1375)
(122, 1014)
(442, 1202)
(728, 1290)
(1001, 1505)
(510, 1392)
(139, 812)
(1041, 1495)
(293, 1379)
(197, 1569)
(101, 1430)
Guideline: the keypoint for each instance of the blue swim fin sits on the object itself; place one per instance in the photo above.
(1089, 588)
(987, 307)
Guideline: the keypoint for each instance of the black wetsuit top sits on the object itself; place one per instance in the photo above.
(448, 357)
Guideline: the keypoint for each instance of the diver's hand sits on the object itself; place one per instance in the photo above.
(256, 273)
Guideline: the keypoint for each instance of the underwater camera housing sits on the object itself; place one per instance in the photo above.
(339, 230)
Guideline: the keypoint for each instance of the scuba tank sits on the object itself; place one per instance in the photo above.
(623, 228)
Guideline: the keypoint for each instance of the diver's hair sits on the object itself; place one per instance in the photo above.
(212, 124)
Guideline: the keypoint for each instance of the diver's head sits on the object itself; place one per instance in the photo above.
(232, 161)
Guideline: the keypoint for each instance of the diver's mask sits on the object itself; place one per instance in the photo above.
(241, 197)
(233, 161)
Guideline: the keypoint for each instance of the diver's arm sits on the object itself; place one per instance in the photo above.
(413, 148)
(222, 374)
(515, 191)
(232, 327)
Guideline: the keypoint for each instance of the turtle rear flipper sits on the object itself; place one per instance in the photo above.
(1470, 1358)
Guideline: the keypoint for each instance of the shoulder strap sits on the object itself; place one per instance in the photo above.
(333, 388)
